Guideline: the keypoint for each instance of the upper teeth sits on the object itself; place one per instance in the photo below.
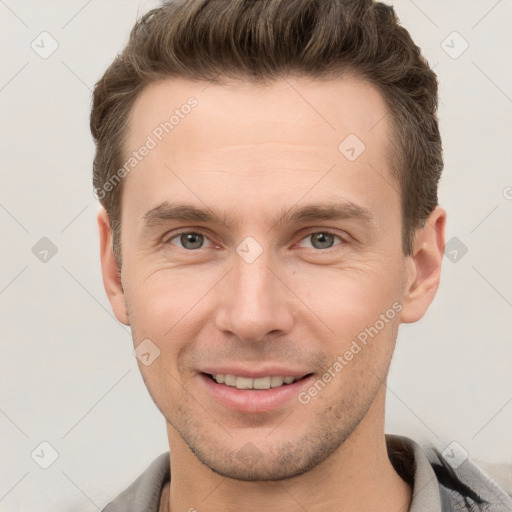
(247, 383)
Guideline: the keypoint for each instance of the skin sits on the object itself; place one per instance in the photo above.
(252, 151)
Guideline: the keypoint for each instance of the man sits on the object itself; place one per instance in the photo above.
(268, 177)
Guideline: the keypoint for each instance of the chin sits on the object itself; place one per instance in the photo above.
(250, 463)
(258, 472)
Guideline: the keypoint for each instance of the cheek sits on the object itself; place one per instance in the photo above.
(349, 295)
(361, 306)
(165, 304)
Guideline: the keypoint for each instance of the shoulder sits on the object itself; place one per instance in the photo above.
(445, 479)
(465, 486)
(143, 495)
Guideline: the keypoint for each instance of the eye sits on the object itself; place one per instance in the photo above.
(322, 239)
(193, 240)
(189, 240)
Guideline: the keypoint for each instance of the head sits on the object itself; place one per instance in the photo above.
(268, 173)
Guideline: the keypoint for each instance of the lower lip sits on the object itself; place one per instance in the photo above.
(254, 401)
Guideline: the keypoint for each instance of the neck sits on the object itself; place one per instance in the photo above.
(357, 477)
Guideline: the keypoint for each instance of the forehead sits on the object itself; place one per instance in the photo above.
(311, 110)
(238, 144)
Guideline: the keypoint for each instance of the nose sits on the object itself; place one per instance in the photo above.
(254, 302)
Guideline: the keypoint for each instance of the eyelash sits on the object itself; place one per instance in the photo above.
(199, 232)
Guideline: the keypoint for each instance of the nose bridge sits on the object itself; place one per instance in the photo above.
(253, 301)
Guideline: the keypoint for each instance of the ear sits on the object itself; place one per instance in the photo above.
(110, 269)
(425, 266)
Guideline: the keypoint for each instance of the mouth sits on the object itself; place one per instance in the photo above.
(254, 394)
(259, 383)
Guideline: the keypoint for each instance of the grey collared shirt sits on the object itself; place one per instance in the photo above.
(413, 466)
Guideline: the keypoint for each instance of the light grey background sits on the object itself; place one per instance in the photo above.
(69, 376)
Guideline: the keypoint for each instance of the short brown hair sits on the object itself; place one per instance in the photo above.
(263, 40)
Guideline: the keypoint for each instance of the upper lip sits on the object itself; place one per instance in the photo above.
(268, 371)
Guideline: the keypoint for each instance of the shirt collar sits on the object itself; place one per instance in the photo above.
(412, 465)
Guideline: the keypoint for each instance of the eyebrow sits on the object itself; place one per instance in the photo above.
(342, 210)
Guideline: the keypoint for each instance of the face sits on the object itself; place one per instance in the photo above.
(260, 243)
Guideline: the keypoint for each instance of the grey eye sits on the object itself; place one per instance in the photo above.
(191, 240)
(322, 240)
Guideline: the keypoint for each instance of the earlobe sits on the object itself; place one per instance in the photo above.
(110, 269)
(426, 267)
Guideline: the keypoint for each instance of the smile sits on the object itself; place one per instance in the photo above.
(248, 383)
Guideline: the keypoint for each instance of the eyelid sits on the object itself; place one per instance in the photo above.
(310, 231)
